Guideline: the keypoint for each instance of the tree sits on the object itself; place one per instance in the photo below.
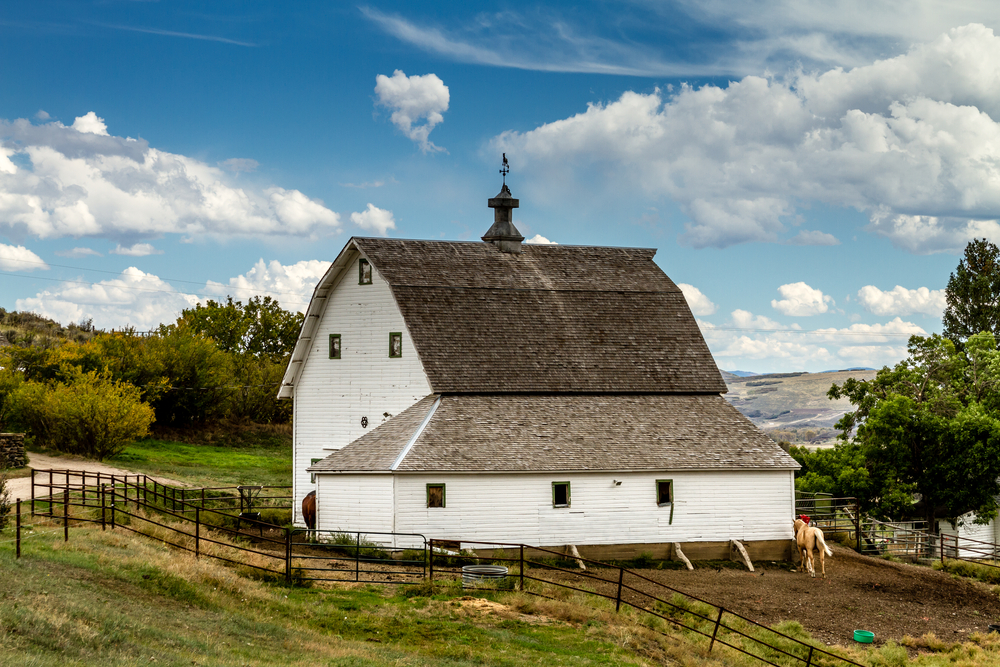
(973, 293)
(928, 426)
(261, 328)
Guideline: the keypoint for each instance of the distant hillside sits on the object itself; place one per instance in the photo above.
(792, 406)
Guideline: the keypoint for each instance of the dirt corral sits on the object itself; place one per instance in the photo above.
(859, 592)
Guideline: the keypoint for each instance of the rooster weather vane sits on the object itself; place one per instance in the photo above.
(505, 169)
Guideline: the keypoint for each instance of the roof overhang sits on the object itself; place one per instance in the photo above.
(317, 305)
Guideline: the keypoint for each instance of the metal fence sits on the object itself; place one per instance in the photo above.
(831, 515)
(536, 568)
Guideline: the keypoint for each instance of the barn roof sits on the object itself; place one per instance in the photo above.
(565, 433)
(552, 318)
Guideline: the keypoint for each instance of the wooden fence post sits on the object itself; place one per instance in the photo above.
(66, 515)
(197, 532)
(357, 560)
(104, 504)
(288, 556)
(430, 560)
(32, 471)
(112, 506)
(618, 598)
(718, 622)
(857, 523)
(17, 521)
(83, 488)
(50, 493)
(522, 568)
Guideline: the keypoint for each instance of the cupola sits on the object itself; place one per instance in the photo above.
(503, 234)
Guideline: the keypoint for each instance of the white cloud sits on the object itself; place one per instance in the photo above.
(19, 258)
(134, 298)
(42, 115)
(145, 301)
(239, 164)
(136, 250)
(374, 219)
(699, 303)
(912, 140)
(902, 301)
(90, 123)
(744, 319)
(538, 239)
(79, 252)
(806, 237)
(412, 99)
(801, 300)
(290, 285)
(84, 183)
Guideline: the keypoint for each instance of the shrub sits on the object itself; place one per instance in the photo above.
(92, 415)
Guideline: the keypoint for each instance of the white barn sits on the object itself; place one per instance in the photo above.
(544, 394)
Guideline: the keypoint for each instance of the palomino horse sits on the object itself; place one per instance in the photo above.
(309, 510)
(808, 538)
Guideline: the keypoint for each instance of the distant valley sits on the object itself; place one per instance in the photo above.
(792, 406)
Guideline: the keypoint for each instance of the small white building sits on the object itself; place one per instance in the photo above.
(544, 394)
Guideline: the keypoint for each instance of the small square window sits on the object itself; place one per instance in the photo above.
(435, 495)
(364, 272)
(312, 475)
(335, 346)
(395, 344)
(560, 494)
(664, 492)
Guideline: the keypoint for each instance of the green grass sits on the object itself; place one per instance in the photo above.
(209, 465)
(113, 598)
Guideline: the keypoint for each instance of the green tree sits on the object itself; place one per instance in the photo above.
(973, 293)
(928, 426)
(261, 328)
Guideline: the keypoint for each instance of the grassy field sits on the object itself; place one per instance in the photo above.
(209, 465)
(112, 598)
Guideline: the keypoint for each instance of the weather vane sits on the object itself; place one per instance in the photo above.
(505, 169)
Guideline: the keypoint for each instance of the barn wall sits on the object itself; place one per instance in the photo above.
(971, 531)
(351, 503)
(708, 506)
(332, 395)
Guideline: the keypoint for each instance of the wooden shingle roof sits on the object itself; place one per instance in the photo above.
(566, 319)
(562, 433)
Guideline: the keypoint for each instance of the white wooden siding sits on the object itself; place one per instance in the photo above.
(708, 506)
(352, 503)
(332, 395)
(968, 530)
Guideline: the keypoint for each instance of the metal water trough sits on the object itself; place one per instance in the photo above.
(484, 576)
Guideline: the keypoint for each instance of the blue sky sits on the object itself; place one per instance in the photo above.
(809, 171)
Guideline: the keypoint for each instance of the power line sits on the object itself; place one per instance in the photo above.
(817, 332)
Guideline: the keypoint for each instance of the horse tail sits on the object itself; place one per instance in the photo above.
(822, 542)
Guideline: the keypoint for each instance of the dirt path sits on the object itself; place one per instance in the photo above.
(21, 487)
(859, 592)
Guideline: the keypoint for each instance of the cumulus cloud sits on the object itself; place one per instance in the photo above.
(791, 349)
(134, 298)
(374, 219)
(145, 301)
(291, 285)
(136, 250)
(538, 239)
(79, 252)
(19, 258)
(913, 141)
(744, 319)
(413, 99)
(699, 303)
(801, 300)
(902, 301)
(90, 123)
(81, 181)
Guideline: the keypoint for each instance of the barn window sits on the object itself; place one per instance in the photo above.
(560, 494)
(312, 475)
(395, 345)
(335, 346)
(435, 495)
(664, 492)
(364, 272)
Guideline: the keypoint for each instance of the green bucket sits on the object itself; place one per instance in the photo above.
(864, 637)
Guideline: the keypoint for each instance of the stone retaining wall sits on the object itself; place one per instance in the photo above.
(12, 451)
